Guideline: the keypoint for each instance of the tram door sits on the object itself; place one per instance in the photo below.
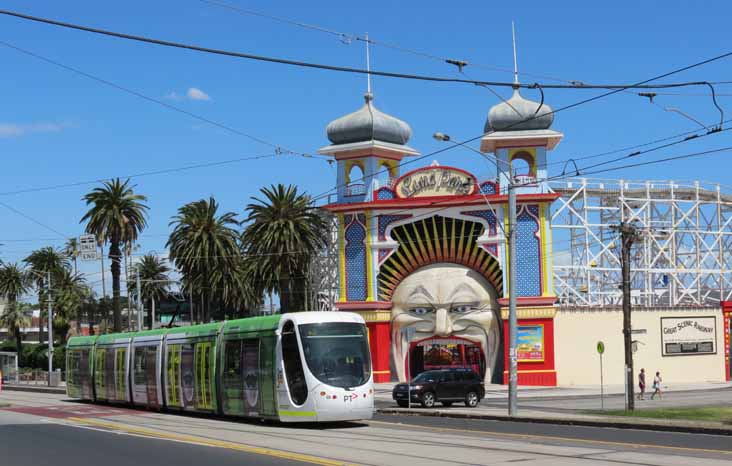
(241, 377)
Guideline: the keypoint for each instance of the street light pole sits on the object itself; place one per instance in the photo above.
(50, 327)
(512, 318)
(510, 234)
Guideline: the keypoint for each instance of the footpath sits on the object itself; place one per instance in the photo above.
(570, 406)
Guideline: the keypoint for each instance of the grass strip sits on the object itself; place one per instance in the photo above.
(711, 413)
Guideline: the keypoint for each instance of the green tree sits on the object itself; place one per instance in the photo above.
(14, 282)
(154, 280)
(42, 262)
(117, 215)
(204, 248)
(71, 249)
(283, 233)
(70, 292)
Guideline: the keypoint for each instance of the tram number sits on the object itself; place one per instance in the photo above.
(351, 397)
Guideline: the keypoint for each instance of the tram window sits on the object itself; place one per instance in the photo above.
(232, 376)
(109, 387)
(139, 370)
(293, 365)
(202, 363)
(337, 353)
(99, 358)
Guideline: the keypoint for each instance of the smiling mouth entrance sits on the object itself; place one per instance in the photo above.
(445, 353)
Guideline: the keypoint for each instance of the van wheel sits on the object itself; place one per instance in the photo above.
(428, 400)
(471, 400)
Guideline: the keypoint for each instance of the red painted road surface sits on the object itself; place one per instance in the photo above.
(73, 410)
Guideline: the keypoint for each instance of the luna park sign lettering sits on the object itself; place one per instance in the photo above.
(441, 181)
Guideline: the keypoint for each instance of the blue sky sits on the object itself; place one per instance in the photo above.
(57, 127)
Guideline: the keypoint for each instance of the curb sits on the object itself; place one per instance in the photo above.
(612, 423)
(28, 388)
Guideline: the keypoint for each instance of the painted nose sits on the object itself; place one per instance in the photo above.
(443, 326)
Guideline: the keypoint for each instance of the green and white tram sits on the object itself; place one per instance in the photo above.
(298, 367)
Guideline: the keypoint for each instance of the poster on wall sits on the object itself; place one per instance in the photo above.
(688, 335)
(530, 343)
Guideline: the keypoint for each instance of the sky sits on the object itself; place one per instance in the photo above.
(58, 127)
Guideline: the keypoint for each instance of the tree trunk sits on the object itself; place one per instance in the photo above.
(114, 256)
(18, 342)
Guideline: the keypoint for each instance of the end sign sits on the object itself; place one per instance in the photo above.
(600, 347)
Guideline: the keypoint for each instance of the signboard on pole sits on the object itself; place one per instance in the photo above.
(601, 351)
(88, 247)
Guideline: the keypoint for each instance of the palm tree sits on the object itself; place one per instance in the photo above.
(70, 292)
(204, 248)
(72, 250)
(42, 262)
(14, 282)
(154, 280)
(283, 234)
(117, 216)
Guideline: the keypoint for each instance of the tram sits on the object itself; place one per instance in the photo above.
(296, 367)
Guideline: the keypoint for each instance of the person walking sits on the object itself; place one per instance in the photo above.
(642, 383)
(657, 385)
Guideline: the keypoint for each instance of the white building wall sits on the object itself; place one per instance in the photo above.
(576, 333)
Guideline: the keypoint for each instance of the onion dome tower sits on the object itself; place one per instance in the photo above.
(368, 146)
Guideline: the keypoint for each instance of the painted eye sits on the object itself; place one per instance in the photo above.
(420, 311)
(462, 308)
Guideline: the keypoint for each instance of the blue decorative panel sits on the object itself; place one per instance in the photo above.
(356, 289)
(488, 187)
(487, 215)
(528, 254)
(385, 221)
(385, 194)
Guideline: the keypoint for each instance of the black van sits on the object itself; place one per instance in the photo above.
(446, 386)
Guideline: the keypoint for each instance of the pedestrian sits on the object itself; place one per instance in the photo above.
(642, 383)
(657, 385)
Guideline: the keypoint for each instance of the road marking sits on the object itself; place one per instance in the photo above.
(207, 442)
(551, 437)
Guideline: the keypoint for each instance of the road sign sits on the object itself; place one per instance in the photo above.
(89, 256)
(88, 247)
(600, 347)
(87, 243)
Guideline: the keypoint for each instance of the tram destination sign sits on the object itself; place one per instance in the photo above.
(436, 181)
(688, 335)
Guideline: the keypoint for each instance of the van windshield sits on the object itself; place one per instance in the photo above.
(337, 353)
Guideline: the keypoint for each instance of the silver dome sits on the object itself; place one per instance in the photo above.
(517, 114)
(366, 124)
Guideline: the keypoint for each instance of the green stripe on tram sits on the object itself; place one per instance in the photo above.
(298, 413)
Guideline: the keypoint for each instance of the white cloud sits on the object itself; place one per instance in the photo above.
(173, 96)
(10, 130)
(197, 94)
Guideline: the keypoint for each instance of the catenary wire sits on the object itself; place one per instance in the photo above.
(284, 61)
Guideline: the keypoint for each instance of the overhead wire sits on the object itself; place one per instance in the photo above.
(299, 63)
(532, 117)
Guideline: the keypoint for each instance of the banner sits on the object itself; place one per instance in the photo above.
(688, 335)
(530, 343)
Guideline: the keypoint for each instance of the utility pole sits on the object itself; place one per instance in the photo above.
(628, 234)
(50, 327)
(139, 298)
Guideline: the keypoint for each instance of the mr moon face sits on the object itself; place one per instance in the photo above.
(445, 301)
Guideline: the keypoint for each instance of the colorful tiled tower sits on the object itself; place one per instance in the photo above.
(368, 146)
(518, 132)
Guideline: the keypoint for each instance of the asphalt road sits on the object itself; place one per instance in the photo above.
(51, 444)
(46, 429)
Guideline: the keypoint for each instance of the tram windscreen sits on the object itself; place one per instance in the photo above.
(337, 353)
